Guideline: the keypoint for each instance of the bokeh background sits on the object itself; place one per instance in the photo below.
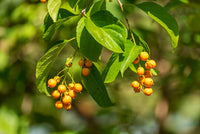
(173, 108)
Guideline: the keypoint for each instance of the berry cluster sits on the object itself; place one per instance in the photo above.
(144, 74)
(85, 64)
(64, 92)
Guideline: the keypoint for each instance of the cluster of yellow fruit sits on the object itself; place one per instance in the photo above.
(64, 92)
(144, 74)
(85, 64)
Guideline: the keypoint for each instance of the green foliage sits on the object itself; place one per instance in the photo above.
(160, 15)
(107, 30)
(50, 27)
(45, 63)
(95, 86)
(53, 8)
(100, 27)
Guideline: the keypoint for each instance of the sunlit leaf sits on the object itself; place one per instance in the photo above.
(53, 8)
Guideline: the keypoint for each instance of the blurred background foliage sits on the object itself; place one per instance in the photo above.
(174, 107)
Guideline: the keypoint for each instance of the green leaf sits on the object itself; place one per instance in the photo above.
(155, 72)
(97, 6)
(112, 69)
(45, 63)
(96, 88)
(50, 27)
(160, 15)
(133, 67)
(107, 30)
(89, 47)
(130, 54)
(53, 8)
(141, 42)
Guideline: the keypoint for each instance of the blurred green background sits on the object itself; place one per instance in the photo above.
(174, 107)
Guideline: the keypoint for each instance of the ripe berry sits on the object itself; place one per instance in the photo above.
(136, 60)
(140, 70)
(137, 90)
(71, 86)
(59, 105)
(55, 94)
(62, 88)
(43, 1)
(81, 62)
(85, 71)
(66, 99)
(67, 106)
(72, 93)
(52, 83)
(88, 63)
(135, 84)
(148, 91)
(148, 82)
(147, 74)
(144, 56)
(57, 78)
(78, 87)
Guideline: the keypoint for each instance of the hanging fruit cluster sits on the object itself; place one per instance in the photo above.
(144, 80)
(85, 64)
(64, 92)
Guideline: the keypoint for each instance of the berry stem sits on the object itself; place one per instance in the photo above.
(129, 28)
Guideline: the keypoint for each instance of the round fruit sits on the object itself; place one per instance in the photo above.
(52, 83)
(140, 70)
(57, 78)
(72, 93)
(66, 99)
(78, 87)
(88, 63)
(85, 71)
(62, 88)
(81, 62)
(147, 65)
(148, 82)
(135, 84)
(144, 56)
(137, 90)
(43, 1)
(148, 91)
(71, 86)
(55, 94)
(147, 74)
(67, 106)
(136, 60)
(59, 105)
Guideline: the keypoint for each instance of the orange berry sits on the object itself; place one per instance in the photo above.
(144, 56)
(71, 86)
(140, 70)
(88, 63)
(43, 1)
(137, 90)
(59, 105)
(148, 91)
(148, 82)
(66, 99)
(52, 83)
(57, 78)
(72, 93)
(66, 93)
(55, 94)
(67, 106)
(81, 62)
(147, 74)
(85, 71)
(135, 84)
(78, 87)
(62, 88)
(136, 60)
(150, 64)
